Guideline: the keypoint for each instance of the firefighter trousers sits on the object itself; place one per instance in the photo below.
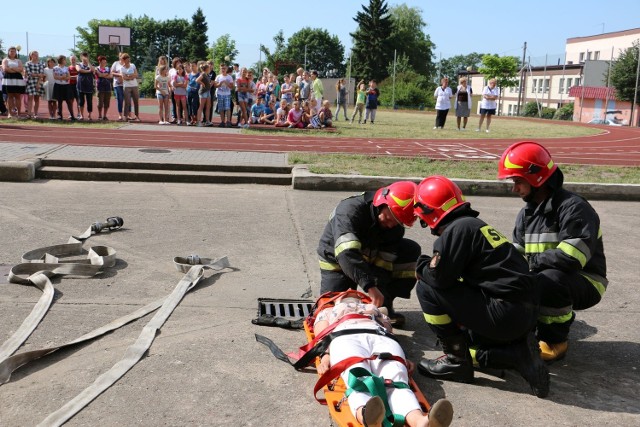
(560, 294)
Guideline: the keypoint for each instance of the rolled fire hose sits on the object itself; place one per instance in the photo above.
(42, 264)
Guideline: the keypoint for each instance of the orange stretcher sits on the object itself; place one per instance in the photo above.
(336, 401)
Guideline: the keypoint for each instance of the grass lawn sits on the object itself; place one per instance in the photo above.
(401, 124)
(353, 164)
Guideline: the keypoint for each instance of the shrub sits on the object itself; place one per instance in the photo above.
(530, 109)
(565, 112)
(147, 86)
(411, 91)
(548, 113)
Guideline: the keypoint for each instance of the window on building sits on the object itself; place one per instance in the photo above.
(510, 107)
(581, 56)
(569, 81)
(547, 83)
(589, 56)
(540, 82)
(533, 85)
(561, 85)
(577, 82)
(596, 55)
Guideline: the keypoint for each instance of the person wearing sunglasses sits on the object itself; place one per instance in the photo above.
(363, 245)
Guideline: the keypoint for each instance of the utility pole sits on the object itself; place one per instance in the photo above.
(635, 93)
(524, 55)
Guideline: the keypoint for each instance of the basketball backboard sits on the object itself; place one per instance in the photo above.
(120, 36)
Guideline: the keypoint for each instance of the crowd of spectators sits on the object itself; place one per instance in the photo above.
(188, 93)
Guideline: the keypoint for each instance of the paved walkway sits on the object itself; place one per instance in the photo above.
(19, 152)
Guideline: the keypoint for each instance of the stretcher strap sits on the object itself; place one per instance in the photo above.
(363, 381)
(337, 369)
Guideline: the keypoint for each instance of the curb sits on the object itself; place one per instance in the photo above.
(19, 171)
(305, 180)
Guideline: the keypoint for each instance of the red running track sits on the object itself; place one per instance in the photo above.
(618, 146)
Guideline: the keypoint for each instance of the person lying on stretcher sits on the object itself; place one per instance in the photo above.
(367, 409)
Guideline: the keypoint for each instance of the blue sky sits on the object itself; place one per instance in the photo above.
(462, 27)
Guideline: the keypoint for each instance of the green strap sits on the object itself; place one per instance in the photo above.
(364, 381)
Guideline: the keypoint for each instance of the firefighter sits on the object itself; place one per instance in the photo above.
(363, 245)
(475, 290)
(559, 234)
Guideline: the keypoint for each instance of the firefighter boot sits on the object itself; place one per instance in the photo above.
(524, 357)
(553, 352)
(454, 365)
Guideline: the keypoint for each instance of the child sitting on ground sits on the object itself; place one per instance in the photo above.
(294, 118)
(325, 115)
(312, 115)
(282, 113)
(257, 110)
(268, 116)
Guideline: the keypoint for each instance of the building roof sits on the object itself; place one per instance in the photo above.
(593, 92)
(629, 32)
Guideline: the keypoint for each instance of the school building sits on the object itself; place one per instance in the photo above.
(587, 65)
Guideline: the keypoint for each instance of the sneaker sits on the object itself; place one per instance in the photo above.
(478, 130)
(553, 352)
(189, 124)
(239, 125)
(79, 117)
(229, 125)
(365, 122)
(179, 122)
(487, 131)
(208, 124)
(199, 124)
(161, 122)
(435, 127)
(222, 125)
(246, 126)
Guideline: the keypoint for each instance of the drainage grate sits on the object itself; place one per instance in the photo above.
(154, 150)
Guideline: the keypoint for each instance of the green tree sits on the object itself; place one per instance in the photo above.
(403, 65)
(371, 50)
(623, 73)
(149, 39)
(324, 52)
(409, 39)
(412, 90)
(450, 67)
(504, 69)
(2, 52)
(196, 37)
(88, 40)
(278, 54)
(223, 50)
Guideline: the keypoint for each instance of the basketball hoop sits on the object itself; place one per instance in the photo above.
(113, 46)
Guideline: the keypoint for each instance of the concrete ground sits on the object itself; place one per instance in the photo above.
(205, 368)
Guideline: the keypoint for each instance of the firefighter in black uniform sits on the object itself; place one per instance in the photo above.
(475, 290)
(363, 245)
(559, 233)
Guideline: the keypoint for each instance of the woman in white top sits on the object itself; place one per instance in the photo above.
(130, 84)
(488, 104)
(13, 83)
(49, 81)
(117, 85)
(443, 96)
